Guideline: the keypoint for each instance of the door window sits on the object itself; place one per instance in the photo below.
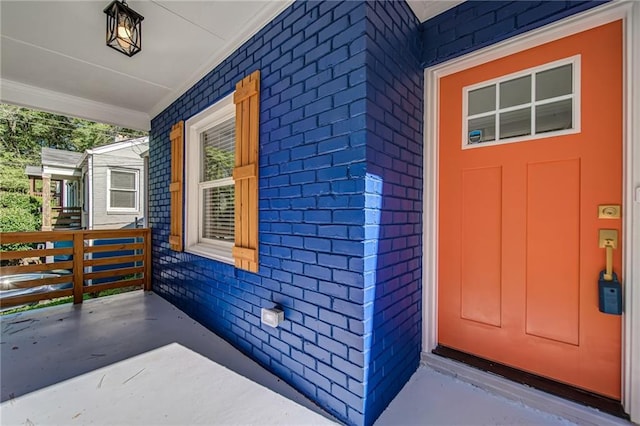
(531, 104)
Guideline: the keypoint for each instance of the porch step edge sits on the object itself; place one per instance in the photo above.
(528, 396)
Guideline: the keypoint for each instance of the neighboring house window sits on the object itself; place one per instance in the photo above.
(210, 159)
(122, 187)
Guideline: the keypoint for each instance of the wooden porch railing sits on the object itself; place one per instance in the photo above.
(66, 217)
(90, 261)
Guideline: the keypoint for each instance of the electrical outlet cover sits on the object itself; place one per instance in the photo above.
(272, 317)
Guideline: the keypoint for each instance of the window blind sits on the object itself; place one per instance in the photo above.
(123, 199)
(218, 213)
(123, 180)
(218, 151)
(123, 189)
(216, 186)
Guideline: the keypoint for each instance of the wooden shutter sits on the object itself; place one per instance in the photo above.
(245, 174)
(175, 188)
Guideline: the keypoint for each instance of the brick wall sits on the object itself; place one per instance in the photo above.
(311, 198)
(393, 193)
(476, 24)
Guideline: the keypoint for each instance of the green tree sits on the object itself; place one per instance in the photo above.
(19, 213)
(87, 135)
(12, 176)
(23, 132)
(218, 163)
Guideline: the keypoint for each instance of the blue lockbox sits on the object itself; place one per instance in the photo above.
(610, 295)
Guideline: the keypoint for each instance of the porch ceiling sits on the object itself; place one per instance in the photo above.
(54, 57)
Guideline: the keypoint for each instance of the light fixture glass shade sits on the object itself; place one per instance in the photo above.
(124, 28)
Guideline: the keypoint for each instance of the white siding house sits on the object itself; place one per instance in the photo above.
(102, 188)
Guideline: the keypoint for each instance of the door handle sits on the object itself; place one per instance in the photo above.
(608, 240)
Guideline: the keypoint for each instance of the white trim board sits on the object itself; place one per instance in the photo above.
(629, 12)
(15, 93)
(118, 145)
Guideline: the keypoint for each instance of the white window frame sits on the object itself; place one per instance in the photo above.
(575, 109)
(111, 209)
(85, 192)
(218, 113)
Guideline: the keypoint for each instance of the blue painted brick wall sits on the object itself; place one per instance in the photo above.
(393, 191)
(311, 199)
(476, 24)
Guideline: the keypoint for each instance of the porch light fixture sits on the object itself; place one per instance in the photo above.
(124, 28)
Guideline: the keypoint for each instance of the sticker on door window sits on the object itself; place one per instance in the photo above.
(531, 104)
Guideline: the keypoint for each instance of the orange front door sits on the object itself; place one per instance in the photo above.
(518, 255)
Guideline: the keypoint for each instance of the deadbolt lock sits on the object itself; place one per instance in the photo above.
(608, 211)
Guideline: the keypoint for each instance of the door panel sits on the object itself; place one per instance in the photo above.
(552, 281)
(518, 256)
(481, 245)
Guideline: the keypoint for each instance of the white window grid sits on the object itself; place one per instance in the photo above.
(110, 188)
(574, 96)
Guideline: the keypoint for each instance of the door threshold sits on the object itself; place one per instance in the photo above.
(483, 374)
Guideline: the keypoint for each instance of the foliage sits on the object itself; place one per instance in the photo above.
(15, 219)
(19, 213)
(23, 132)
(12, 176)
(22, 201)
(88, 135)
(218, 163)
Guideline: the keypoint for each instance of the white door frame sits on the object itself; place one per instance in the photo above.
(629, 12)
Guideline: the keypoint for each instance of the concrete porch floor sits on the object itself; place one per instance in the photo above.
(136, 359)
